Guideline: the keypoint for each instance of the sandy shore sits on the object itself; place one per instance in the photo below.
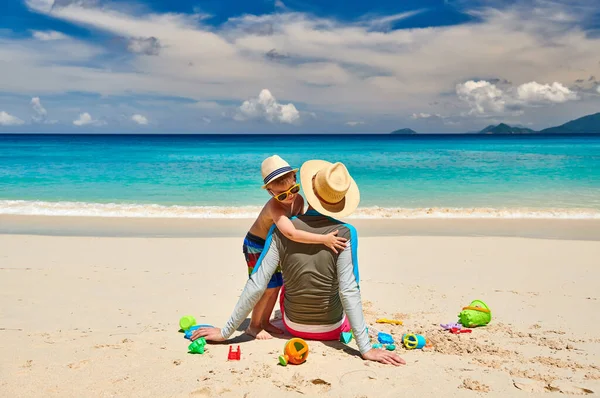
(84, 316)
(551, 228)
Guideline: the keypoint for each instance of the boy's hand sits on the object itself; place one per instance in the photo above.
(335, 242)
(210, 334)
(383, 356)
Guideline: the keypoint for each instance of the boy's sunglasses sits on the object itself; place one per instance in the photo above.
(283, 196)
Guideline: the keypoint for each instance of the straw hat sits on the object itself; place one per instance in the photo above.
(329, 188)
(274, 167)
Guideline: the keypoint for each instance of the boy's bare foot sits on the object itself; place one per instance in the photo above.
(258, 333)
(270, 328)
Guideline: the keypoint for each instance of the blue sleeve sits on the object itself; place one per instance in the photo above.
(354, 246)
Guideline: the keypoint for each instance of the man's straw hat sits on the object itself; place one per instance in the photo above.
(329, 188)
(274, 167)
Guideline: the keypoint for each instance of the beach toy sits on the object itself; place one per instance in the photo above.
(476, 314)
(459, 331)
(197, 346)
(450, 326)
(413, 341)
(383, 338)
(390, 321)
(346, 337)
(187, 322)
(389, 347)
(295, 352)
(188, 334)
(234, 355)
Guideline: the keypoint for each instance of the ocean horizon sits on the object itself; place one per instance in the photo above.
(199, 176)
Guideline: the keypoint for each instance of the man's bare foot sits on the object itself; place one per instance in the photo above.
(269, 327)
(258, 333)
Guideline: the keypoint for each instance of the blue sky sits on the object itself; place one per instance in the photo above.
(223, 66)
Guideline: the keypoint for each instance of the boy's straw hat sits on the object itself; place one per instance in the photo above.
(329, 188)
(274, 167)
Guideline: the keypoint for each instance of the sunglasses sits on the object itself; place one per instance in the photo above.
(283, 195)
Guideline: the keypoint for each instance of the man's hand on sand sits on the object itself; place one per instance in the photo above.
(383, 356)
(210, 334)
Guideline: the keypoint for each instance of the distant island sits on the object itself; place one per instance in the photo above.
(503, 128)
(404, 131)
(589, 124)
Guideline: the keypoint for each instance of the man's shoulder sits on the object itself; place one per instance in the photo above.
(323, 225)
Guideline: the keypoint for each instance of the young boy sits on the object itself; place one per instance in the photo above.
(280, 181)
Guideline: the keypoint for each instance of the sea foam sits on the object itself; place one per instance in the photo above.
(133, 210)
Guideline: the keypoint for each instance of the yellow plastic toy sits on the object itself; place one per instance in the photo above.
(294, 352)
(415, 341)
(390, 321)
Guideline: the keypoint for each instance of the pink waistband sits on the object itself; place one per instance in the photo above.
(323, 336)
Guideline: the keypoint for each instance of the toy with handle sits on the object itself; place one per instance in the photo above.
(414, 341)
(476, 314)
(294, 352)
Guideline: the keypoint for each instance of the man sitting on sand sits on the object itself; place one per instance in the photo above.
(321, 297)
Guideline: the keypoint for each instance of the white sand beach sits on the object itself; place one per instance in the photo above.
(97, 316)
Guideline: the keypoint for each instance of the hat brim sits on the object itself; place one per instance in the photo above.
(277, 176)
(341, 209)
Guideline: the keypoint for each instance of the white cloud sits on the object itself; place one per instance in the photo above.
(206, 120)
(49, 35)
(387, 21)
(481, 95)
(534, 92)
(40, 111)
(40, 5)
(352, 124)
(140, 119)
(266, 107)
(85, 119)
(208, 105)
(7, 119)
(484, 97)
(353, 67)
(323, 73)
(425, 116)
(147, 45)
(280, 5)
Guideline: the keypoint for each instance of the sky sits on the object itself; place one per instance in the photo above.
(296, 66)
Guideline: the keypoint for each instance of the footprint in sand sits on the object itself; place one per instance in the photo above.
(357, 377)
(77, 365)
(568, 388)
(204, 391)
(474, 385)
(563, 387)
(529, 385)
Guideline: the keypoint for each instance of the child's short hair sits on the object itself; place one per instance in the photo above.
(287, 179)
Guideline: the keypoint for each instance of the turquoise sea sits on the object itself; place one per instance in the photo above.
(219, 175)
